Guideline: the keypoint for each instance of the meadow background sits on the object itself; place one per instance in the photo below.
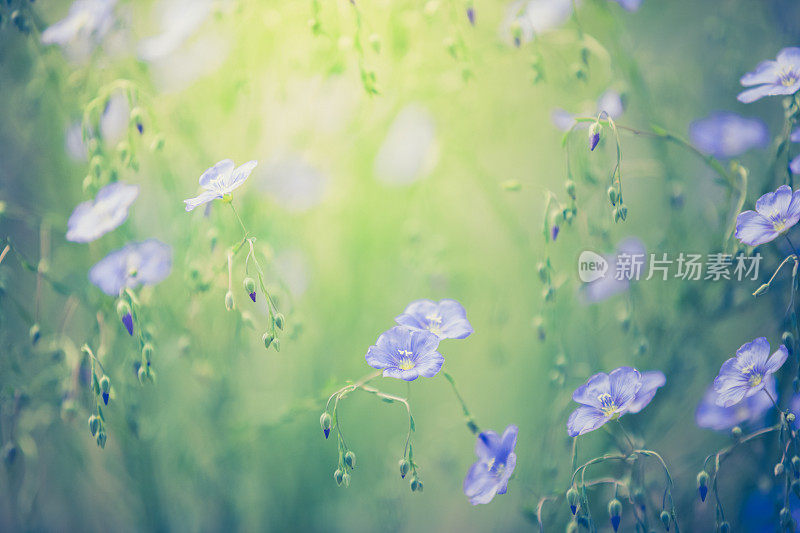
(435, 187)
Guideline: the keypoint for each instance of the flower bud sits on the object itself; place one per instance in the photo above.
(569, 185)
(277, 345)
(702, 484)
(724, 527)
(554, 232)
(158, 143)
(787, 338)
(137, 117)
(147, 352)
(325, 422)
(471, 14)
(229, 301)
(785, 517)
(572, 499)
(404, 467)
(142, 375)
(796, 465)
(34, 334)
(94, 425)
(542, 271)
(350, 459)
(761, 290)
(665, 519)
(250, 287)
(101, 439)
(105, 384)
(594, 135)
(124, 314)
(736, 433)
(338, 476)
(267, 338)
(779, 470)
(516, 33)
(416, 485)
(623, 212)
(795, 486)
(614, 510)
(612, 195)
(345, 479)
(280, 320)
(790, 418)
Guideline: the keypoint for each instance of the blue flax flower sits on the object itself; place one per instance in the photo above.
(630, 5)
(446, 319)
(725, 134)
(773, 78)
(745, 374)
(604, 397)
(406, 353)
(652, 380)
(87, 20)
(711, 415)
(220, 181)
(489, 475)
(776, 212)
(137, 263)
(92, 219)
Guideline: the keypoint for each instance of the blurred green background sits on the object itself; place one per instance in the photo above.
(228, 438)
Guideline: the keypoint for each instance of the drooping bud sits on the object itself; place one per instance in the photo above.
(554, 232)
(724, 527)
(612, 195)
(350, 459)
(267, 338)
(94, 425)
(124, 314)
(142, 374)
(147, 352)
(137, 119)
(779, 470)
(338, 476)
(325, 422)
(277, 345)
(516, 33)
(796, 465)
(416, 485)
(471, 14)
(665, 519)
(105, 386)
(785, 517)
(569, 185)
(623, 212)
(280, 320)
(229, 301)
(404, 467)
(736, 433)
(572, 500)
(346, 479)
(34, 334)
(101, 439)
(594, 135)
(250, 287)
(795, 486)
(614, 511)
(702, 484)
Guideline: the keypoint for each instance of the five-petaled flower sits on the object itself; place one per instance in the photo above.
(773, 78)
(776, 212)
(220, 181)
(92, 219)
(746, 374)
(406, 353)
(606, 397)
(725, 134)
(446, 319)
(713, 416)
(137, 263)
(87, 20)
(489, 475)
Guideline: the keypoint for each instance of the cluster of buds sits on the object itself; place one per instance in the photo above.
(409, 468)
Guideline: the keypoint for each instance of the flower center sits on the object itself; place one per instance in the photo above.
(497, 468)
(405, 362)
(754, 377)
(788, 78)
(609, 408)
(434, 323)
(779, 226)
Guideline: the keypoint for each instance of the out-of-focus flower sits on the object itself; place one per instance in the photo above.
(87, 20)
(408, 152)
(711, 415)
(724, 134)
(220, 180)
(621, 271)
(603, 397)
(447, 319)
(525, 19)
(794, 165)
(745, 374)
(296, 185)
(629, 5)
(776, 213)
(609, 102)
(652, 380)
(489, 475)
(180, 19)
(92, 219)
(773, 78)
(406, 353)
(137, 263)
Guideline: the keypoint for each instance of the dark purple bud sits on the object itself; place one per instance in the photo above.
(554, 232)
(471, 15)
(615, 522)
(703, 493)
(573, 508)
(326, 432)
(517, 41)
(253, 296)
(593, 140)
(140, 127)
(105, 398)
(128, 321)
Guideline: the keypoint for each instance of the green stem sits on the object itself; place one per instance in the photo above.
(473, 427)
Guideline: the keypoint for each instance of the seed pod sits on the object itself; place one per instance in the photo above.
(267, 338)
(280, 320)
(94, 425)
(338, 475)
